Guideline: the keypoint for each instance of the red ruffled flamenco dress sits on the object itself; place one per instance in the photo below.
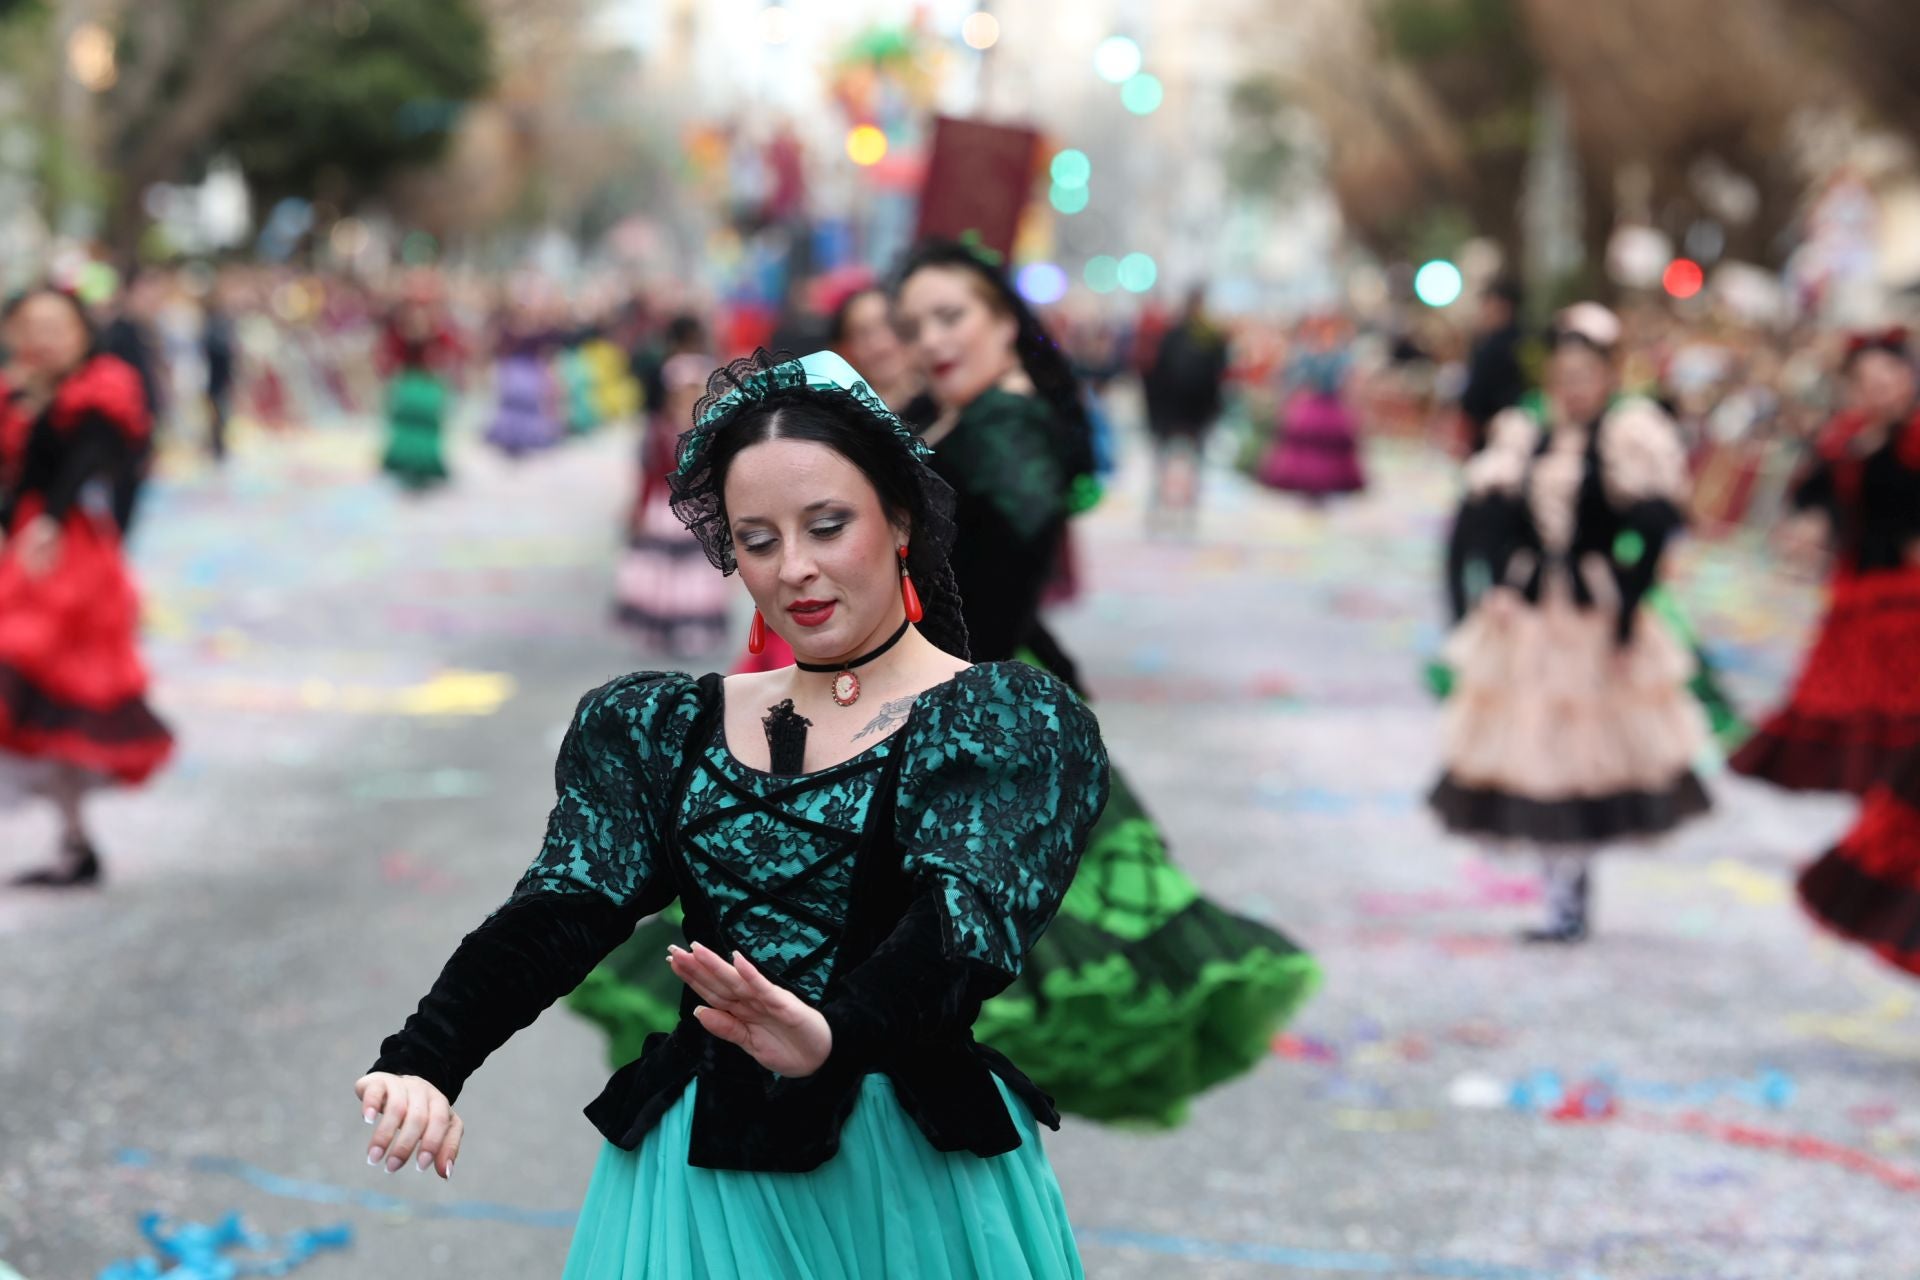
(72, 685)
(1867, 888)
(1854, 716)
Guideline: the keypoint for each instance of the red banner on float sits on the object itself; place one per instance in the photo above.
(978, 179)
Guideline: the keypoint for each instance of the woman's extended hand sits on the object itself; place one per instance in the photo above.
(38, 546)
(409, 1115)
(782, 1032)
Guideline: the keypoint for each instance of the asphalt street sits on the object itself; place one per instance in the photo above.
(369, 689)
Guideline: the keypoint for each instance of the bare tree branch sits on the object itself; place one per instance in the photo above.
(242, 47)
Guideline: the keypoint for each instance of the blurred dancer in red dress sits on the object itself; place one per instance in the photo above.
(73, 712)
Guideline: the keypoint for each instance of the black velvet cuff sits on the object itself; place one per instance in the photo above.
(908, 991)
(533, 950)
(1655, 522)
(1487, 532)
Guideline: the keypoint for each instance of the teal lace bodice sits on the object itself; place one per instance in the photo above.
(774, 856)
(999, 773)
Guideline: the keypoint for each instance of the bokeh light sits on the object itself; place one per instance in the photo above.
(1138, 272)
(776, 24)
(96, 283)
(1042, 283)
(1071, 168)
(866, 144)
(91, 58)
(1683, 278)
(1117, 59)
(350, 238)
(1069, 200)
(1438, 283)
(1102, 274)
(980, 30)
(1142, 94)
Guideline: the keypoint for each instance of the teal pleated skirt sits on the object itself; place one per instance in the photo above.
(887, 1207)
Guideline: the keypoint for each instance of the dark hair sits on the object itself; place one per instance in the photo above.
(843, 314)
(1891, 341)
(1041, 357)
(686, 333)
(68, 296)
(899, 479)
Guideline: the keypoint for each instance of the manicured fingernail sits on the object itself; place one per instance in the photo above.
(395, 1164)
(736, 957)
(369, 1115)
(375, 1155)
(425, 1159)
(448, 1175)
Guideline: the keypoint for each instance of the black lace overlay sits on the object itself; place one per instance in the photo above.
(786, 737)
(614, 781)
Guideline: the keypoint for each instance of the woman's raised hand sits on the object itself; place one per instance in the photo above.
(782, 1032)
(412, 1121)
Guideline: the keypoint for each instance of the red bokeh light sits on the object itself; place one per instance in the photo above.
(1683, 278)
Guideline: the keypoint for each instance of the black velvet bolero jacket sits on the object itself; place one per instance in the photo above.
(921, 889)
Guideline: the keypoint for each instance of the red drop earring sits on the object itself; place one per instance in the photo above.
(908, 596)
(757, 634)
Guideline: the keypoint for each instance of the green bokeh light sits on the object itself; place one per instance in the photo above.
(1102, 274)
(1142, 94)
(1137, 273)
(1069, 199)
(1071, 168)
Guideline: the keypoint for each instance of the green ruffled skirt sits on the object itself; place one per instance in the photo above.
(1139, 996)
(416, 409)
(887, 1207)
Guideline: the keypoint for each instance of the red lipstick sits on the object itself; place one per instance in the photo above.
(810, 613)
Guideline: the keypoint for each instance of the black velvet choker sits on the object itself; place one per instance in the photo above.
(846, 685)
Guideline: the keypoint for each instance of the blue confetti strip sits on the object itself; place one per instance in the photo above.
(195, 1251)
(1546, 1090)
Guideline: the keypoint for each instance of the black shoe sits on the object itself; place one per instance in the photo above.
(81, 867)
(1568, 900)
(1563, 935)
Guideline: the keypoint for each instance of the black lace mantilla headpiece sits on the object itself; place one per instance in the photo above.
(764, 379)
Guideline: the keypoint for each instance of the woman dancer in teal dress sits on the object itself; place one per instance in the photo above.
(1144, 993)
(864, 844)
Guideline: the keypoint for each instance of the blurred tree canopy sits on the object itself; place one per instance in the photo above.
(1260, 155)
(311, 92)
(1879, 42)
(1681, 112)
(366, 90)
(1473, 57)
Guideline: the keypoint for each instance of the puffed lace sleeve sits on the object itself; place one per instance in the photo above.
(1641, 458)
(600, 868)
(1643, 469)
(1003, 779)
